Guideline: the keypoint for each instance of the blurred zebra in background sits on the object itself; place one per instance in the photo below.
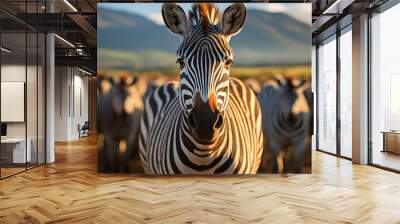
(208, 123)
(286, 106)
(253, 84)
(120, 107)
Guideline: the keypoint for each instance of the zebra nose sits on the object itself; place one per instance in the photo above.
(205, 120)
(192, 121)
(205, 115)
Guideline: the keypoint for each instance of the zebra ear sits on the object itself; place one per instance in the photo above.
(174, 18)
(233, 19)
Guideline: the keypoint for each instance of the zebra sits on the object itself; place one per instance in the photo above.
(254, 84)
(120, 106)
(207, 123)
(286, 125)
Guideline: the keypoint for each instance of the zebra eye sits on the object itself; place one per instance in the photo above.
(228, 63)
(181, 63)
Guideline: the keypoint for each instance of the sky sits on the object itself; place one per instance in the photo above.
(299, 11)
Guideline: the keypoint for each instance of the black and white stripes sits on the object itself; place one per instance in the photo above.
(208, 123)
(285, 106)
(205, 60)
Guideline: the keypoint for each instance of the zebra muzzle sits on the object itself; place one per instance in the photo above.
(193, 123)
(205, 126)
(204, 120)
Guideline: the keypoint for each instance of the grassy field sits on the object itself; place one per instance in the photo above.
(267, 72)
(257, 72)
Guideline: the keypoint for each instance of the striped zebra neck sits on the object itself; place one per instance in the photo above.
(202, 148)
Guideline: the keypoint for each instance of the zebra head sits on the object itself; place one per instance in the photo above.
(293, 103)
(205, 58)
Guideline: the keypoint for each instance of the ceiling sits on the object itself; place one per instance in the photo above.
(331, 15)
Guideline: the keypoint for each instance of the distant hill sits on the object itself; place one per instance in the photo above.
(131, 41)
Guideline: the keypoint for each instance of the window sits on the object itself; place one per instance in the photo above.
(346, 93)
(327, 96)
(385, 89)
(22, 77)
(314, 82)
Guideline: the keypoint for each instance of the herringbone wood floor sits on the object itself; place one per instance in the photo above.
(71, 191)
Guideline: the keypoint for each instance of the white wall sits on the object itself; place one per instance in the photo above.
(33, 126)
(13, 101)
(71, 94)
(80, 110)
(15, 73)
(62, 81)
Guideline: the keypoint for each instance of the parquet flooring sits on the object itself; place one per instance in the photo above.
(71, 191)
(10, 171)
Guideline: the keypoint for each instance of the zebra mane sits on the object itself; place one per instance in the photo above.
(206, 13)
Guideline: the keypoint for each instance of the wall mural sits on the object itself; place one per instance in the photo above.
(204, 88)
